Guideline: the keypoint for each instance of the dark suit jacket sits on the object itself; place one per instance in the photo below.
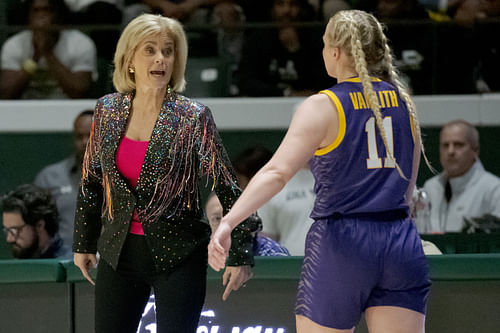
(184, 146)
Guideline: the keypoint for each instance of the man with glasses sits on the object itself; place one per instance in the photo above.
(30, 223)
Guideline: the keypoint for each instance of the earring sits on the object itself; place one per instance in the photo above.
(131, 70)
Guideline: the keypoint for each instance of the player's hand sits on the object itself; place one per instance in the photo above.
(218, 248)
(234, 278)
(85, 261)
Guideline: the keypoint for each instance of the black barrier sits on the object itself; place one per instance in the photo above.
(34, 296)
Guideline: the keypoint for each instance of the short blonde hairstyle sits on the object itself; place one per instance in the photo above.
(140, 28)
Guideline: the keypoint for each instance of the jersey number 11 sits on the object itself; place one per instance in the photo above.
(374, 161)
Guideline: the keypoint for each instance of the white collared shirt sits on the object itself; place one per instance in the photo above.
(474, 194)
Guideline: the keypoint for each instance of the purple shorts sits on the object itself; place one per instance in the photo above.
(351, 264)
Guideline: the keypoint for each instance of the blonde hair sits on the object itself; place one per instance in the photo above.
(135, 32)
(362, 37)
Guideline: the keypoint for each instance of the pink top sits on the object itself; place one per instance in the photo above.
(129, 159)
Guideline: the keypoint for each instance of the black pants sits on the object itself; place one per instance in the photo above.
(121, 295)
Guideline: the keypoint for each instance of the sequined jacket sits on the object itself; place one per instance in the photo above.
(184, 151)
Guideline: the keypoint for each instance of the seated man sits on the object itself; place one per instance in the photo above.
(263, 246)
(248, 162)
(283, 59)
(464, 189)
(46, 61)
(62, 178)
(30, 223)
(285, 218)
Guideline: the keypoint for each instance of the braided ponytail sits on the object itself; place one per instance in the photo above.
(394, 78)
(359, 58)
(362, 36)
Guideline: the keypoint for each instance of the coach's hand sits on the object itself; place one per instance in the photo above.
(234, 278)
(85, 261)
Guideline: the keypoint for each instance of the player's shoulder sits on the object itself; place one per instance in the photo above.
(319, 100)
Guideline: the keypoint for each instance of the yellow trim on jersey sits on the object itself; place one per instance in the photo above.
(342, 125)
(412, 126)
(357, 79)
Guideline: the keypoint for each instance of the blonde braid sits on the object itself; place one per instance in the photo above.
(403, 92)
(359, 58)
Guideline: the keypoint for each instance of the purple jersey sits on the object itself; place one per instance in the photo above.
(354, 174)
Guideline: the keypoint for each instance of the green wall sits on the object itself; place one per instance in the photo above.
(24, 154)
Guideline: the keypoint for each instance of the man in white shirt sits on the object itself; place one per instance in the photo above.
(464, 189)
(44, 61)
(285, 218)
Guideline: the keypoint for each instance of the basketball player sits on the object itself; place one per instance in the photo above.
(363, 253)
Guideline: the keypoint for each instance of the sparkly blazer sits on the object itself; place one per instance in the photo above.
(184, 151)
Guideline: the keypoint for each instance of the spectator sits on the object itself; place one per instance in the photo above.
(285, 218)
(45, 61)
(30, 223)
(249, 161)
(414, 55)
(226, 16)
(229, 20)
(284, 60)
(262, 245)
(95, 12)
(466, 12)
(400, 9)
(464, 188)
(485, 46)
(186, 11)
(479, 64)
(331, 7)
(62, 178)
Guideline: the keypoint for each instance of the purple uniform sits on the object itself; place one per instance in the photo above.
(362, 249)
(353, 174)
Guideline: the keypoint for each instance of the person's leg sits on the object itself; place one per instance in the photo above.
(391, 319)
(180, 294)
(121, 295)
(399, 302)
(119, 302)
(339, 270)
(306, 325)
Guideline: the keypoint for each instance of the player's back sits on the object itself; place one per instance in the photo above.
(354, 173)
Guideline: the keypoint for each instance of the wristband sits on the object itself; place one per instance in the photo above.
(30, 66)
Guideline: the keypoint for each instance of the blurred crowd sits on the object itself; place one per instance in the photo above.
(64, 48)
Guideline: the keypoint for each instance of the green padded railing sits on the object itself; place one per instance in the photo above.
(31, 271)
(449, 267)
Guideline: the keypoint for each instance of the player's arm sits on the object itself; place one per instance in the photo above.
(414, 169)
(314, 125)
